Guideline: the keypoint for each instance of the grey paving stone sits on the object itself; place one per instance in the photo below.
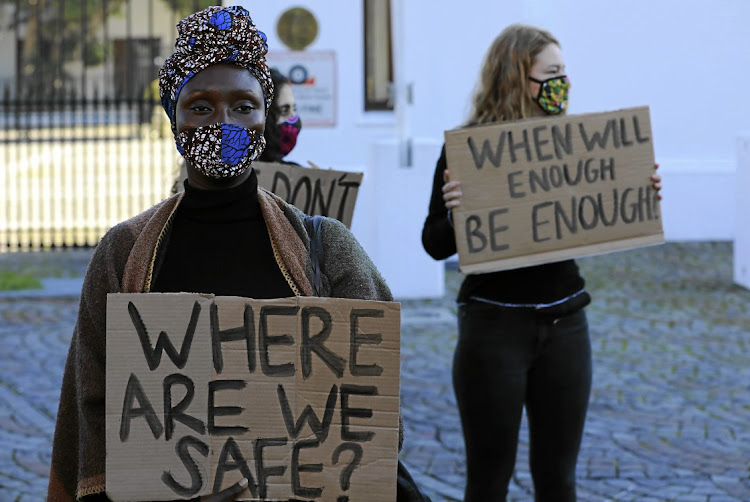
(671, 338)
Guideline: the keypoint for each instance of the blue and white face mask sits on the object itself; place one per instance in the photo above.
(220, 150)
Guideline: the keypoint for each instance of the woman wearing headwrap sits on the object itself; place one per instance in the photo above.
(224, 235)
(283, 124)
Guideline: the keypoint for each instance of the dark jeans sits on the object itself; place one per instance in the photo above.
(506, 359)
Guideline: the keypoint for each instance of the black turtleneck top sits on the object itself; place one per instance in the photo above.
(219, 244)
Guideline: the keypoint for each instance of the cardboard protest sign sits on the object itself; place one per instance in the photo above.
(298, 395)
(314, 191)
(549, 189)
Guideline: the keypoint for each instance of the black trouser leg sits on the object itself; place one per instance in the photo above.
(505, 359)
(489, 378)
(557, 397)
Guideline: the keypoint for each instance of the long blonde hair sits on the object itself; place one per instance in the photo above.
(501, 93)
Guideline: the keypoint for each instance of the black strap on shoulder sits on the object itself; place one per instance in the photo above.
(312, 225)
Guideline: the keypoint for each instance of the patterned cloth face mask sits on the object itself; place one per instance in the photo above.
(288, 132)
(220, 150)
(553, 94)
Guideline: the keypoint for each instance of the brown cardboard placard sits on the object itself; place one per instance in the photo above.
(299, 395)
(548, 189)
(315, 191)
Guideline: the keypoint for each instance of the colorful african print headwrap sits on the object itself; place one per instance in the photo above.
(214, 35)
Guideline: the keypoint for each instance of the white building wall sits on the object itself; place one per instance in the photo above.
(742, 228)
(393, 200)
(340, 30)
(683, 58)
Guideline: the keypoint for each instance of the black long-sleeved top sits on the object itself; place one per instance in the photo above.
(540, 284)
(221, 238)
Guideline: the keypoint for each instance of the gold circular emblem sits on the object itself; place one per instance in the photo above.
(297, 28)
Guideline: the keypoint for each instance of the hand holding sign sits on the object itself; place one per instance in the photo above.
(656, 181)
(451, 192)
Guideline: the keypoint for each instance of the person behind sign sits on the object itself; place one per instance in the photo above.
(523, 334)
(224, 235)
(283, 124)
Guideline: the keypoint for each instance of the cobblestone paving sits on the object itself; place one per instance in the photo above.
(669, 417)
(34, 337)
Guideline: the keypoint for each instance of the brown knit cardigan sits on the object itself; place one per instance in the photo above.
(124, 262)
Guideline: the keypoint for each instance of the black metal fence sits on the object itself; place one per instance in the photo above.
(84, 143)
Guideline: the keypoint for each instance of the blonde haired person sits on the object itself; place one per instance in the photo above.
(523, 334)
